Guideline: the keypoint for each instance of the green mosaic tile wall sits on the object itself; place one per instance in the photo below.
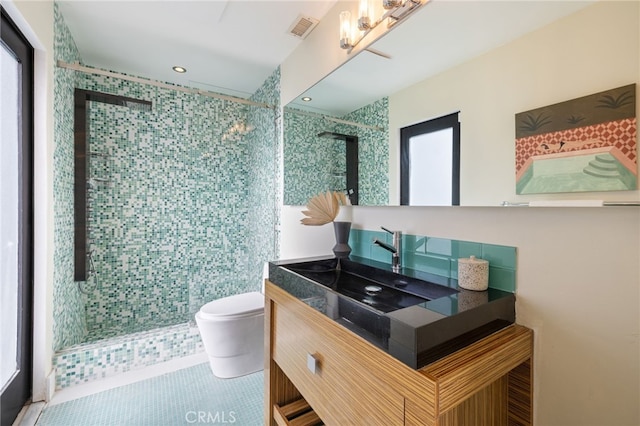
(68, 308)
(313, 165)
(373, 152)
(181, 206)
(168, 229)
(264, 195)
(439, 256)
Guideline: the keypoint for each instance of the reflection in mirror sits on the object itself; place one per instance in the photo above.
(466, 56)
(314, 164)
(430, 163)
(342, 168)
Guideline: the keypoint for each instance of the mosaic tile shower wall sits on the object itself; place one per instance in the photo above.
(68, 308)
(168, 210)
(264, 197)
(373, 151)
(311, 163)
(174, 195)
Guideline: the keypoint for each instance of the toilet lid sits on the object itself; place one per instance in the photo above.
(239, 304)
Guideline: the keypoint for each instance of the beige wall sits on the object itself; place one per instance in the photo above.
(595, 49)
(578, 279)
(35, 20)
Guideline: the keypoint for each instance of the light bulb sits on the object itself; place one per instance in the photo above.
(345, 29)
(364, 18)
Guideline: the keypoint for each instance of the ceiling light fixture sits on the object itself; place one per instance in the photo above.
(306, 99)
(179, 69)
(395, 11)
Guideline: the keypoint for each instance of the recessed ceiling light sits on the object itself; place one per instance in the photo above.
(181, 70)
(306, 99)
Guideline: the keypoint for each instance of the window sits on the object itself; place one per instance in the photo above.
(430, 163)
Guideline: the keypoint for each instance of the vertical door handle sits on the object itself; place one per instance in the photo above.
(313, 364)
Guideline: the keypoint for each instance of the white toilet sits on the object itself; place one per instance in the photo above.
(232, 330)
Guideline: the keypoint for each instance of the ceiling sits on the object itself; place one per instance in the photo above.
(232, 46)
(227, 46)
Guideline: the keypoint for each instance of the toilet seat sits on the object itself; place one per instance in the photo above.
(239, 305)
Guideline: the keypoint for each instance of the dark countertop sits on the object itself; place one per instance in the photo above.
(433, 317)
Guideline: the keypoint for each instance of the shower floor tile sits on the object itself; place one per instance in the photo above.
(186, 396)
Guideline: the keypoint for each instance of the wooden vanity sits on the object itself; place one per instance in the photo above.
(319, 372)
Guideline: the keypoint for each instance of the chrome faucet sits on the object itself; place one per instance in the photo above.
(395, 249)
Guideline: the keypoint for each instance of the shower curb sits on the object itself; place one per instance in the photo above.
(91, 361)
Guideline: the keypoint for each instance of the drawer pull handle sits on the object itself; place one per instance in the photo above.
(313, 364)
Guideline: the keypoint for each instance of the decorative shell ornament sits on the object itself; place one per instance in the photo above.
(323, 208)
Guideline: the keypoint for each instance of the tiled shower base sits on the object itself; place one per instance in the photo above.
(105, 358)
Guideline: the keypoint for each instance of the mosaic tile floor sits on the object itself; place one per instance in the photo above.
(185, 397)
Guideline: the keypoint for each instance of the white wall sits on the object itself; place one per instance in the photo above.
(35, 20)
(578, 278)
(595, 49)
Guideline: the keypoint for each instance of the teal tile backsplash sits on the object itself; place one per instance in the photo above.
(504, 257)
(439, 256)
(438, 265)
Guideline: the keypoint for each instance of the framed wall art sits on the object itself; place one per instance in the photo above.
(585, 144)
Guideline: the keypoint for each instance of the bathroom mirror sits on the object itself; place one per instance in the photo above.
(437, 42)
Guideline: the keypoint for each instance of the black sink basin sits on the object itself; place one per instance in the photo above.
(383, 291)
(341, 278)
(414, 316)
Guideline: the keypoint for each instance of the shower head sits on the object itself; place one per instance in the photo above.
(136, 105)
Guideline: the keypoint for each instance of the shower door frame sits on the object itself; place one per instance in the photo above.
(19, 388)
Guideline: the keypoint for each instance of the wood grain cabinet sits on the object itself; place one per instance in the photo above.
(318, 372)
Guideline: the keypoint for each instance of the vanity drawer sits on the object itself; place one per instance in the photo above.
(344, 389)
